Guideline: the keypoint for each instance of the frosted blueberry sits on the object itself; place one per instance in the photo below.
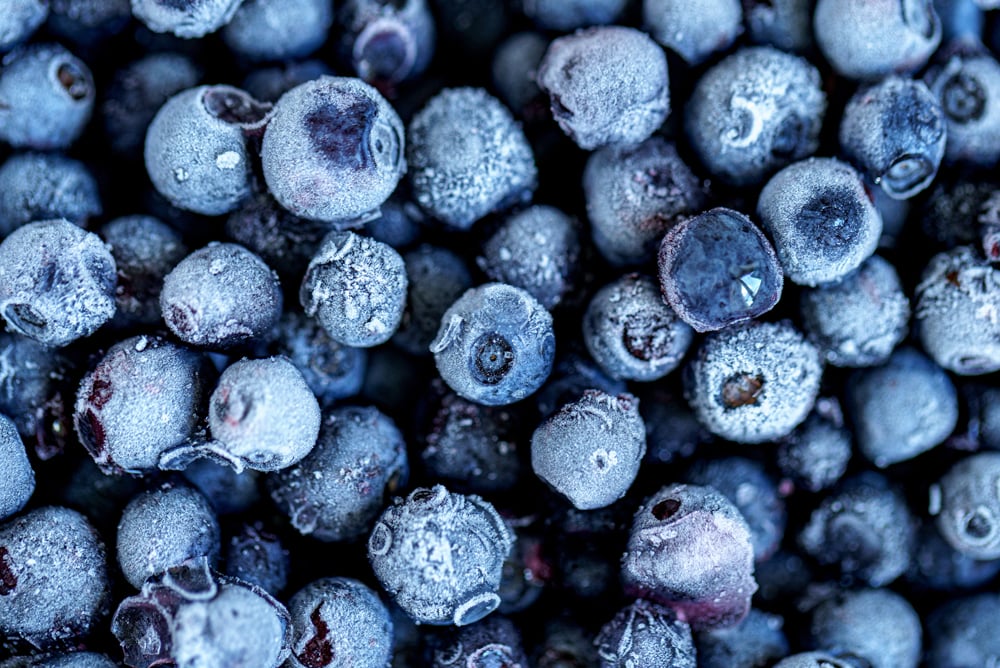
(19, 477)
(968, 512)
(42, 186)
(645, 634)
(693, 30)
(188, 19)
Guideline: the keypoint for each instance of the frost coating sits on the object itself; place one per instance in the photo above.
(332, 371)
(645, 634)
(32, 382)
(356, 288)
(41, 186)
(437, 277)
(968, 88)
(783, 24)
(493, 642)
(18, 476)
(185, 18)
(440, 555)
(567, 15)
(816, 454)
(756, 641)
(278, 29)
(607, 85)
(969, 516)
(57, 282)
(877, 624)
(468, 157)
(19, 20)
(694, 30)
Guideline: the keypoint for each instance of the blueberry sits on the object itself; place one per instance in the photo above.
(967, 504)
(82, 659)
(187, 19)
(755, 382)
(822, 660)
(270, 83)
(869, 40)
(41, 186)
(607, 85)
(673, 433)
(962, 632)
(783, 24)
(823, 222)
(573, 374)
(88, 22)
(569, 15)
(952, 204)
(631, 333)
(816, 454)
(468, 157)
(635, 194)
(515, 61)
(494, 641)
(495, 345)
(876, 624)
(46, 97)
(694, 31)
(968, 88)
(196, 150)
(19, 476)
(387, 43)
(278, 29)
(331, 370)
(437, 277)
(901, 409)
(937, 566)
(20, 20)
(895, 131)
(333, 150)
(339, 623)
(689, 549)
(220, 296)
(754, 112)
(566, 644)
(229, 492)
(961, 20)
(400, 225)
(57, 282)
(440, 555)
(336, 491)
(645, 634)
(755, 642)
(257, 556)
(782, 578)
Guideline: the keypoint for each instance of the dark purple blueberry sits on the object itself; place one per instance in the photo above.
(386, 42)
(257, 556)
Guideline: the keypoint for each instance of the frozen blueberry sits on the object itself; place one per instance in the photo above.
(188, 19)
(220, 296)
(756, 642)
(137, 92)
(982, 404)
(336, 492)
(938, 566)
(278, 29)
(57, 282)
(967, 504)
(400, 225)
(165, 527)
(437, 277)
(53, 576)
(718, 269)
(753, 383)
(494, 641)
(689, 549)
(142, 399)
(754, 493)
(468, 157)
(190, 617)
(862, 39)
(590, 450)
(635, 194)
(20, 19)
(947, 213)
(573, 374)
(80, 659)
(823, 222)
(901, 409)
(673, 433)
(782, 578)
(332, 371)
(783, 24)
(876, 624)
(962, 632)
(968, 88)
(19, 477)
(514, 64)
(41, 186)
(565, 644)
(863, 528)
(955, 301)
(229, 492)
(196, 150)
(387, 43)
(756, 111)
(569, 15)
(257, 556)
(495, 345)
(859, 320)
(822, 660)
(693, 30)
(339, 623)
(631, 333)
(645, 634)
(607, 85)
(356, 288)
(46, 97)
(270, 83)
(333, 150)
(816, 454)
(440, 555)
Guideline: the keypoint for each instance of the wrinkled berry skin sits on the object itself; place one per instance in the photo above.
(19, 477)
(495, 641)
(42, 186)
(333, 150)
(689, 549)
(969, 513)
(645, 634)
(440, 556)
(187, 19)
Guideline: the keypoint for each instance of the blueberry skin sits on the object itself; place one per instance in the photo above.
(755, 642)
(901, 409)
(694, 31)
(954, 301)
(387, 43)
(937, 566)
(673, 433)
(19, 477)
(515, 61)
(967, 504)
(573, 374)
(355, 287)
(229, 492)
(822, 660)
(783, 24)
(718, 269)
(689, 549)
(196, 150)
(876, 624)
(753, 383)
(437, 277)
(333, 150)
(335, 493)
(339, 623)
(823, 222)
(895, 131)
(187, 19)
(257, 556)
(57, 282)
(220, 296)
(968, 88)
(81, 659)
(263, 30)
(42, 186)
(859, 320)
(20, 20)
(962, 632)
(866, 39)
(440, 556)
(54, 576)
(268, 84)
(495, 345)
(87, 23)
(494, 641)
(607, 85)
(645, 634)
(46, 97)
(636, 193)
(569, 15)
(331, 370)
(754, 112)
(165, 527)
(816, 454)
(468, 157)
(631, 333)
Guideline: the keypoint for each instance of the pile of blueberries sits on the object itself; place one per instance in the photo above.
(496, 334)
